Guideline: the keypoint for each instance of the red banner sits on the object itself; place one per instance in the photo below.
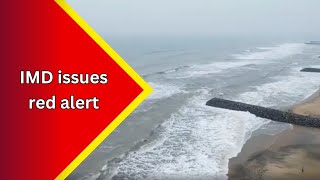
(50, 125)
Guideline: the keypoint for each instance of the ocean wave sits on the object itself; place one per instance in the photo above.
(201, 70)
(196, 142)
(272, 53)
(285, 90)
(164, 90)
(166, 71)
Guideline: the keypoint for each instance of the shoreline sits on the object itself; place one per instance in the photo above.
(291, 154)
(309, 106)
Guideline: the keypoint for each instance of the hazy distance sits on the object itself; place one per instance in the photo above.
(201, 17)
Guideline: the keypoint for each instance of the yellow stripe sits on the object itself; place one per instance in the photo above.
(106, 132)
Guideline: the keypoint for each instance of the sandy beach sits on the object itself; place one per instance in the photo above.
(292, 154)
(310, 107)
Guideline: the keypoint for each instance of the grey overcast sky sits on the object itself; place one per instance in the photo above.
(204, 17)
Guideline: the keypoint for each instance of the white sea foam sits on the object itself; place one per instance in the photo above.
(196, 142)
(286, 91)
(163, 90)
(272, 53)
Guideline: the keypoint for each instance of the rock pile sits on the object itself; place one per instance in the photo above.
(268, 113)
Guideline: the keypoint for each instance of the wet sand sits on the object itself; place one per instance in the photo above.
(292, 154)
(311, 106)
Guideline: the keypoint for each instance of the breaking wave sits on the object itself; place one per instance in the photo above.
(272, 53)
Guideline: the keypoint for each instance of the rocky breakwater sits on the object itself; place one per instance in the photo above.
(314, 70)
(267, 113)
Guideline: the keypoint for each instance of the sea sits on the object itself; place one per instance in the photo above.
(173, 134)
